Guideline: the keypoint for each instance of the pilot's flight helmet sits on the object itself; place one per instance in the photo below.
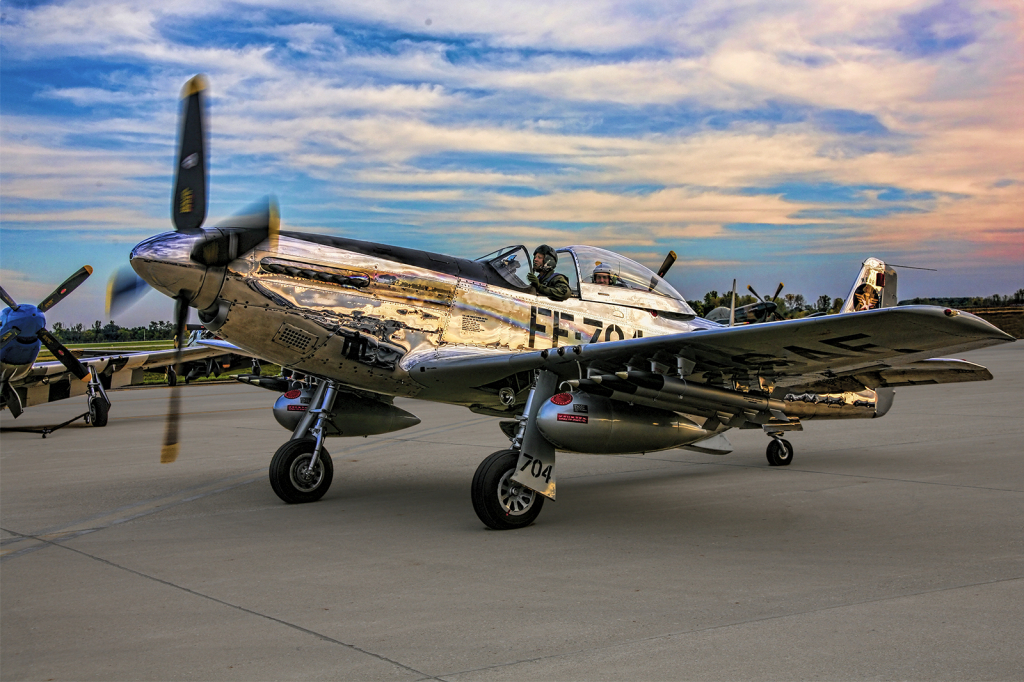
(550, 257)
(603, 269)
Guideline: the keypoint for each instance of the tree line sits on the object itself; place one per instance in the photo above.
(993, 301)
(105, 333)
(790, 305)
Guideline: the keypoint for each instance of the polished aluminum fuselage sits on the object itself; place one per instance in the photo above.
(283, 302)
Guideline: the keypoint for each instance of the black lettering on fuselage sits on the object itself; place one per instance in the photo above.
(558, 331)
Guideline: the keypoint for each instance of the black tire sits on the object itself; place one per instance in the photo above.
(98, 410)
(778, 454)
(500, 504)
(286, 476)
(171, 376)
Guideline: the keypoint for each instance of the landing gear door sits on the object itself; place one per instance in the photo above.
(536, 466)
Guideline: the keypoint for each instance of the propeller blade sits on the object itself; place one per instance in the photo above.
(10, 334)
(169, 451)
(123, 290)
(239, 235)
(12, 399)
(777, 292)
(69, 285)
(7, 299)
(188, 205)
(62, 354)
(667, 263)
(756, 295)
(732, 306)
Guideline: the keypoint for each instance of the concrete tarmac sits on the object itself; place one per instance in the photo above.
(889, 549)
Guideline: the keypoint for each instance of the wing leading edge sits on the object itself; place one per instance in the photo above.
(834, 352)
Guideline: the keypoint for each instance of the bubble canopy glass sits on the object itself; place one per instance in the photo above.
(631, 283)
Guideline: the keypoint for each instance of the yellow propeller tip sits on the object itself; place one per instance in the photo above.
(88, 268)
(168, 453)
(195, 84)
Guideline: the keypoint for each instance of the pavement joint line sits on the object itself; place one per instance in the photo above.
(69, 532)
(279, 621)
(835, 473)
(133, 505)
(724, 626)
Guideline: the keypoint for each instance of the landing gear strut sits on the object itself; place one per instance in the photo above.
(99, 403)
(501, 501)
(302, 470)
(779, 452)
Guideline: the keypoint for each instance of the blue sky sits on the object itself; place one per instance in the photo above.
(764, 141)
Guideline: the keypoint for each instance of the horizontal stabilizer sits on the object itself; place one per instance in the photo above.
(924, 372)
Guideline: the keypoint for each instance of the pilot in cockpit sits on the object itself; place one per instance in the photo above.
(546, 281)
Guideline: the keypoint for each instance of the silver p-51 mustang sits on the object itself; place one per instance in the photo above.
(614, 369)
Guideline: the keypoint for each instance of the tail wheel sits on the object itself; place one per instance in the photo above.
(500, 502)
(779, 453)
(98, 409)
(291, 476)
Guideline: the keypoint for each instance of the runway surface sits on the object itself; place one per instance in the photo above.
(890, 548)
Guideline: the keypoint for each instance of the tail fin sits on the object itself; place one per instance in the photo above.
(875, 287)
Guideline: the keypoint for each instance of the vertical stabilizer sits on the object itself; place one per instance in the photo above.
(875, 287)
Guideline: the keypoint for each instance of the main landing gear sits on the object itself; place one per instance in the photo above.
(99, 403)
(501, 501)
(779, 452)
(97, 400)
(302, 470)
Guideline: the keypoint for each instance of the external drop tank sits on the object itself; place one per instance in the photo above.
(579, 422)
(353, 415)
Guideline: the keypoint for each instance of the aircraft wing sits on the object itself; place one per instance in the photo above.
(48, 381)
(225, 347)
(843, 352)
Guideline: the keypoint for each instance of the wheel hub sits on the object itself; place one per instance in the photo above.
(305, 478)
(515, 499)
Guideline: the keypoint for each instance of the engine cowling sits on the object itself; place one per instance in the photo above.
(580, 422)
(352, 415)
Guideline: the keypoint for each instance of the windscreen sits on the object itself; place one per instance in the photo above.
(511, 262)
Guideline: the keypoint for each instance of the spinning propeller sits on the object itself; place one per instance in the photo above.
(214, 248)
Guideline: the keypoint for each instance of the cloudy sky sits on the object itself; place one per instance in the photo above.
(765, 140)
